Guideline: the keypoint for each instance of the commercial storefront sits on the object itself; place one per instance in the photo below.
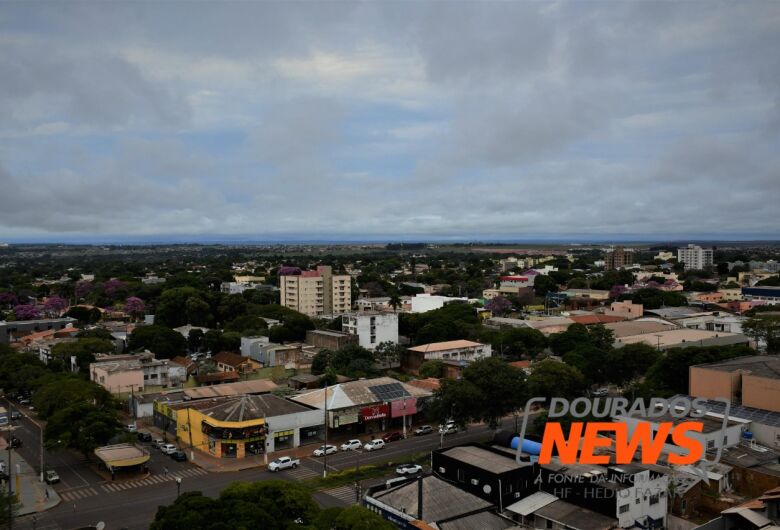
(237, 427)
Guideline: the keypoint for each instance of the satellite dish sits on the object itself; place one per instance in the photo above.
(100, 526)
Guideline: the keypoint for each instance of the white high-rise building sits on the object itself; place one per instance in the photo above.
(372, 328)
(695, 257)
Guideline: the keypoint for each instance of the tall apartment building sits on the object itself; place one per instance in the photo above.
(618, 258)
(372, 328)
(317, 292)
(695, 257)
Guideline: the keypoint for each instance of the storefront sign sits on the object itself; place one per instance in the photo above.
(403, 407)
(376, 412)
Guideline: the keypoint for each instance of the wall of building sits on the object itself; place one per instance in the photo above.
(761, 392)
(713, 384)
(120, 381)
(372, 329)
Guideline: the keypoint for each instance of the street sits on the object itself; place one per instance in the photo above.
(88, 499)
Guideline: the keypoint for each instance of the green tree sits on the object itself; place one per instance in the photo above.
(555, 379)
(81, 426)
(359, 518)
(321, 361)
(764, 329)
(198, 312)
(164, 342)
(195, 339)
(432, 368)
(85, 315)
(518, 343)
(488, 390)
(58, 391)
(630, 362)
(83, 349)
(669, 374)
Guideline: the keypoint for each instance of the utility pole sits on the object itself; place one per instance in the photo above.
(325, 449)
(10, 472)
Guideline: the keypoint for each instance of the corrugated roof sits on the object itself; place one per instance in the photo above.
(447, 345)
(256, 386)
(355, 393)
(576, 517)
(530, 504)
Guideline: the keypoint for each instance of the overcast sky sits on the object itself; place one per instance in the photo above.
(414, 119)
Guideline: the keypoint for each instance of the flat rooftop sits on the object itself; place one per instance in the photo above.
(482, 458)
(759, 365)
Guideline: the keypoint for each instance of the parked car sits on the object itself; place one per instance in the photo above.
(325, 450)
(16, 415)
(351, 445)
(284, 462)
(392, 437)
(408, 469)
(24, 401)
(374, 445)
(425, 429)
(448, 428)
(179, 455)
(131, 427)
(143, 436)
(158, 443)
(15, 442)
(51, 477)
(168, 449)
(600, 392)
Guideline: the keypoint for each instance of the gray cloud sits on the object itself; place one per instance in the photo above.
(384, 119)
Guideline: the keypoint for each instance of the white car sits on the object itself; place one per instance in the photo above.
(373, 445)
(448, 428)
(168, 448)
(408, 469)
(131, 427)
(325, 450)
(351, 445)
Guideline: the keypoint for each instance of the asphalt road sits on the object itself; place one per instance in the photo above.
(88, 499)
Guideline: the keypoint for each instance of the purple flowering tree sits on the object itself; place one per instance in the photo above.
(83, 288)
(8, 299)
(54, 305)
(134, 306)
(498, 306)
(112, 287)
(26, 312)
(617, 291)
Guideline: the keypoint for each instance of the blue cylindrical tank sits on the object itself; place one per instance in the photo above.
(529, 447)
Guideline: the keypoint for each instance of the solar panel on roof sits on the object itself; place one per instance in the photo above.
(389, 391)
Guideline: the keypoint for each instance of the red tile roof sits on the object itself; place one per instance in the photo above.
(521, 364)
(430, 383)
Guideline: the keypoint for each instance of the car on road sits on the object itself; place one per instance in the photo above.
(284, 462)
(16, 415)
(131, 427)
(325, 450)
(425, 429)
(24, 401)
(168, 449)
(15, 442)
(448, 428)
(392, 437)
(51, 476)
(351, 445)
(179, 455)
(374, 445)
(408, 469)
(600, 392)
(158, 443)
(143, 436)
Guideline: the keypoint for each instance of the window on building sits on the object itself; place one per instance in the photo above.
(624, 508)
(710, 444)
(653, 499)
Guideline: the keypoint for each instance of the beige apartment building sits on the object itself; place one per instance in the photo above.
(317, 292)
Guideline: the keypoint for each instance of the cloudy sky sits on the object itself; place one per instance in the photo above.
(385, 120)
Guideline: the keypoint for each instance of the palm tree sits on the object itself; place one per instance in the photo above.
(395, 302)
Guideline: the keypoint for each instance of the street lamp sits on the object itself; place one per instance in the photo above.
(178, 487)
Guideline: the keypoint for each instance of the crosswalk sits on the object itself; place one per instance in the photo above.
(112, 487)
(302, 473)
(346, 494)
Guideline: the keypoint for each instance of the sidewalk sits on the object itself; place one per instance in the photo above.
(34, 495)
